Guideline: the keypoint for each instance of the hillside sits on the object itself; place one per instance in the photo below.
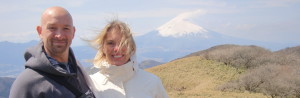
(293, 52)
(238, 56)
(195, 77)
(227, 48)
(271, 73)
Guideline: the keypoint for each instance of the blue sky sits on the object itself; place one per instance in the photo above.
(263, 20)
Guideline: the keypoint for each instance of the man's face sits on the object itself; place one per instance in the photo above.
(56, 32)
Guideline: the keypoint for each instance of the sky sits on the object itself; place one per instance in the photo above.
(275, 21)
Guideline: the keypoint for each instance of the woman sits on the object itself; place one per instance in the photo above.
(119, 75)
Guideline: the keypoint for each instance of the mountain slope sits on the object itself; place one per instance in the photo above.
(271, 73)
(194, 77)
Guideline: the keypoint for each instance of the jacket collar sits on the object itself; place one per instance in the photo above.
(117, 73)
(36, 59)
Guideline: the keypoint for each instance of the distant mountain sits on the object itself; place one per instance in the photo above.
(85, 54)
(5, 85)
(12, 57)
(148, 64)
(160, 48)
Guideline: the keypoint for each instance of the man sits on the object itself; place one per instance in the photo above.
(51, 70)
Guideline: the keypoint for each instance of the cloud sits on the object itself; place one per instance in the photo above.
(65, 3)
(29, 6)
(12, 7)
(247, 19)
(73, 3)
(276, 3)
(154, 13)
(192, 14)
(21, 37)
(199, 3)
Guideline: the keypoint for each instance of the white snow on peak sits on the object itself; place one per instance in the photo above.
(181, 26)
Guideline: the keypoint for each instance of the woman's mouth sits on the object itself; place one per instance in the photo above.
(117, 56)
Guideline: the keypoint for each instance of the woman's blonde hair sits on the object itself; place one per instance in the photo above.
(127, 40)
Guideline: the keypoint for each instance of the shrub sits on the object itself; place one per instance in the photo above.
(273, 80)
(272, 73)
(239, 56)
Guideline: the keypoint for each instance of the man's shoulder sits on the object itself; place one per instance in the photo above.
(28, 77)
(32, 80)
(32, 84)
(25, 83)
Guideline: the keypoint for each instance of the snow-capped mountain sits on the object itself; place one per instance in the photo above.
(181, 26)
(180, 37)
(154, 46)
(176, 38)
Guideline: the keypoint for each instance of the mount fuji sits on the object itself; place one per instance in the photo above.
(180, 37)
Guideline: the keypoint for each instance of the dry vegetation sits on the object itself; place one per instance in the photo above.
(244, 71)
(243, 57)
(195, 77)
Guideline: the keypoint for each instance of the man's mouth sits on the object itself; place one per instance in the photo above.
(55, 42)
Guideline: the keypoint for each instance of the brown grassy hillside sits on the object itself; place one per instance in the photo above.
(195, 77)
(236, 55)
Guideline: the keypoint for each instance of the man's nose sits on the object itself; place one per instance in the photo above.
(58, 34)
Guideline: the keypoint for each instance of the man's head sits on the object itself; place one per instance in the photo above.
(57, 32)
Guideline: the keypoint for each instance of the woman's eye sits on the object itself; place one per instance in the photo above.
(110, 43)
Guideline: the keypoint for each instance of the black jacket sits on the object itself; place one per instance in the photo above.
(32, 83)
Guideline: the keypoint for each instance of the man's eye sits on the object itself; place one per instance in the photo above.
(66, 28)
(51, 28)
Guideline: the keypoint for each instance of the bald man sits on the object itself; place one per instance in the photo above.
(51, 70)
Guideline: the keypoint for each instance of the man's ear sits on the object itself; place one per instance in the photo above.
(74, 31)
(39, 30)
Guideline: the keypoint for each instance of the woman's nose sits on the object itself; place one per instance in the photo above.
(116, 48)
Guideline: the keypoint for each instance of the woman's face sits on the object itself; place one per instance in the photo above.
(115, 55)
